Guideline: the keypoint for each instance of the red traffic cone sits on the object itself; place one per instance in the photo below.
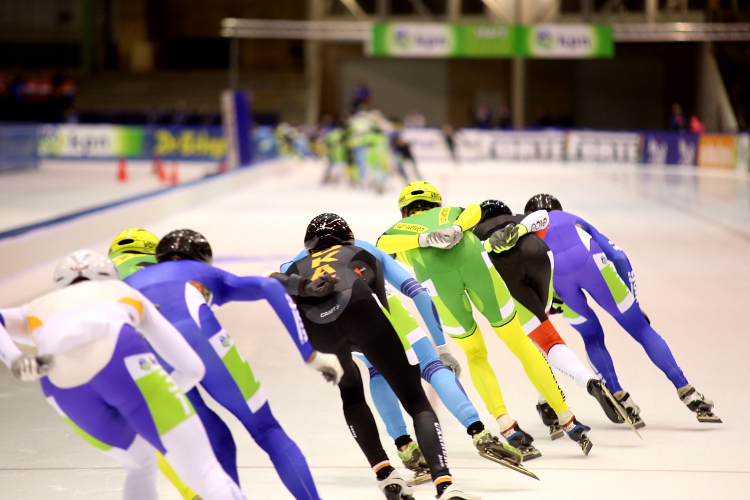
(161, 172)
(174, 177)
(122, 170)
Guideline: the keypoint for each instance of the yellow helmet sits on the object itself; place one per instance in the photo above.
(419, 191)
(134, 240)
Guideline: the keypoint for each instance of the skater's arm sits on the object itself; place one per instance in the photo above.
(396, 243)
(615, 255)
(401, 279)
(270, 289)
(469, 217)
(537, 222)
(172, 346)
(9, 352)
(16, 325)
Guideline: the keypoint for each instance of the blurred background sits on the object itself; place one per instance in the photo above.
(373, 87)
(141, 62)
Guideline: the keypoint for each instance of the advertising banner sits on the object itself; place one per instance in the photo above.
(19, 146)
(491, 40)
(510, 145)
(186, 143)
(564, 41)
(441, 40)
(670, 148)
(717, 150)
(603, 147)
(91, 141)
(427, 144)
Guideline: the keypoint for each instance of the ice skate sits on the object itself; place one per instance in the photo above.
(577, 432)
(415, 462)
(612, 408)
(395, 488)
(549, 418)
(493, 449)
(453, 493)
(698, 403)
(632, 409)
(520, 440)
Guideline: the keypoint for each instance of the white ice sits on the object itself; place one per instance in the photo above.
(688, 238)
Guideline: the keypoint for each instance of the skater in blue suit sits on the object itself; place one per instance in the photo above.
(184, 285)
(586, 260)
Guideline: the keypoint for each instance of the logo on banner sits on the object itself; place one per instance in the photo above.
(686, 150)
(570, 40)
(426, 40)
(657, 151)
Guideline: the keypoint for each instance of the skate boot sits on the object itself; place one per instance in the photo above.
(609, 404)
(517, 438)
(493, 449)
(415, 462)
(549, 418)
(453, 493)
(632, 409)
(577, 432)
(612, 408)
(698, 403)
(395, 488)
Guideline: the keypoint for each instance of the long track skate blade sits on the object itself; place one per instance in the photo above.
(555, 432)
(586, 445)
(708, 417)
(620, 411)
(507, 463)
(530, 453)
(421, 477)
(638, 423)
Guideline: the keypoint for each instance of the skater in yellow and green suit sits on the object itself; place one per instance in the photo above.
(450, 261)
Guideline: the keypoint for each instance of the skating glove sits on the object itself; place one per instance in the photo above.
(505, 238)
(556, 307)
(328, 365)
(441, 238)
(449, 360)
(28, 367)
(318, 288)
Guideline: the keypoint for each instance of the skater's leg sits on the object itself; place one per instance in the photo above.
(231, 382)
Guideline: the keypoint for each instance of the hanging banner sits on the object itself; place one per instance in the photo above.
(434, 40)
(564, 41)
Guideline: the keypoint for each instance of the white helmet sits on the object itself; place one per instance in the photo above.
(84, 265)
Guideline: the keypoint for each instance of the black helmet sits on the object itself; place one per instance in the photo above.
(542, 202)
(493, 208)
(184, 244)
(327, 230)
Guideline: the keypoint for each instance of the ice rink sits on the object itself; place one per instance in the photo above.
(687, 236)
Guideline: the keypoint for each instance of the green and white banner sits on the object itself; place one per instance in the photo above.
(564, 41)
(91, 141)
(441, 40)
(435, 40)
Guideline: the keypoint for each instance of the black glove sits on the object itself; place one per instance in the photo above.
(319, 288)
(556, 307)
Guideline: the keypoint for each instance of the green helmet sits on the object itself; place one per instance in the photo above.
(419, 191)
(134, 240)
